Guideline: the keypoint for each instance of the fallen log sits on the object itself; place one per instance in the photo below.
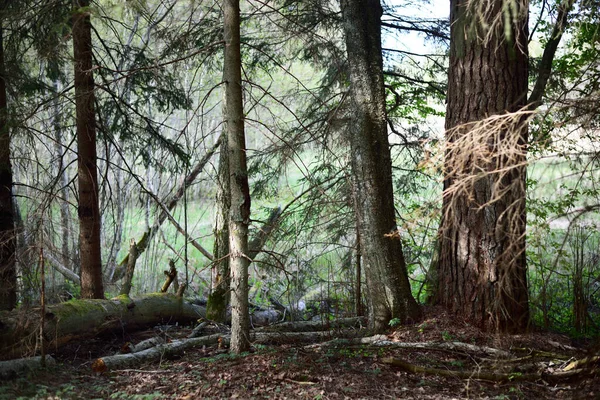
(143, 345)
(80, 319)
(587, 361)
(451, 346)
(14, 368)
(382, 340)
(262, 318)
(297, 337)
(178, 347)
(552, 377)
(311, 326)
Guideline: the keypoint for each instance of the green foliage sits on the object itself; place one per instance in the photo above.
(559, 257)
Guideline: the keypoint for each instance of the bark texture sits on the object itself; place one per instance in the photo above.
(216, 308)
(62, 180)
(239, 213)
(88, 208)
(21, 367)
(388, 289)
(8, 270)
(133, 256)
(81, 319)
(481, 271)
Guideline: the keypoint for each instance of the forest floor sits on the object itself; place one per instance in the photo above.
(339, 371)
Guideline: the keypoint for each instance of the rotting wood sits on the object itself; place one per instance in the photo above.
(452, 346)
(177, 347)
(133, 255)
(486, 375)
(382, 340)
(143, 345)
(581, 363)
(13, 368)
(171, 274)
(311, 326)
(181, 289)
(80, 319)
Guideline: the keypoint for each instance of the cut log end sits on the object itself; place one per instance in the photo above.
(99, 366)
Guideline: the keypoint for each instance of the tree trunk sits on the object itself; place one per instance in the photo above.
(119, 197)
(126, 288)
(239, 212)
(81, 319)
(8, 270)
(63, 180)
(481, 272)
(89, 212)
(216, 308)
(388, 289)
(219, 298)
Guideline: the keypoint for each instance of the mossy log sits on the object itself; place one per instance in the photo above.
(80, 319)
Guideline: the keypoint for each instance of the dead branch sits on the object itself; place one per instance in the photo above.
(171, 274)
(382, 340)
(166, 350)
(486, 375)
(133, 255)
(164, 215)
(581, 363)
(177, 347)
(143, 345)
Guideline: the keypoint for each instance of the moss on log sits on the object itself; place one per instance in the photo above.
(80, 319)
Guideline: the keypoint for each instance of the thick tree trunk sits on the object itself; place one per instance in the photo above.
(388, 290)
(239, 212)
(80, 319)
(481, 272)
(216, 308)
(88, 211)
(8, 270)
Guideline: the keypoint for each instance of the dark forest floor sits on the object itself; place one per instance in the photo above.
(306, 372)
